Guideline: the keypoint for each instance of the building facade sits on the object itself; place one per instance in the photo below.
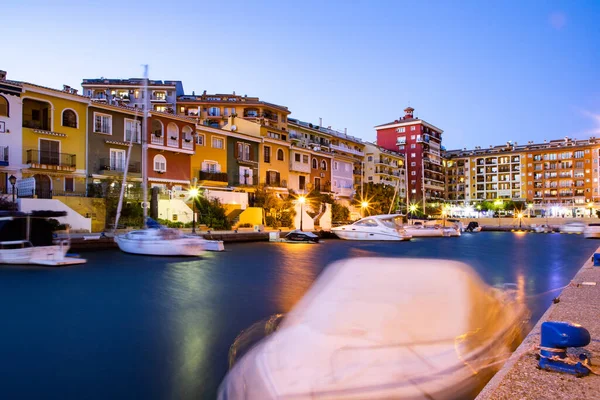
(130, 92)
(421, 144)
(11, 155)
(209, 162)
(386, 167)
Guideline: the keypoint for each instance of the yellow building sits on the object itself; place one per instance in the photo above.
(209, 163)
(54, 140)
(384, 166)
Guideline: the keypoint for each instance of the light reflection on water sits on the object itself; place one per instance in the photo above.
(153, 328)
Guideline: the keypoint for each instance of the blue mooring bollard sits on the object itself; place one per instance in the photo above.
(556, 337)
(596, 259)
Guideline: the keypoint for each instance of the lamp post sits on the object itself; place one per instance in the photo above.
(498, 204)
(193, 192)
(520, 216)
(301, 200)
(412, 208)
(13, 180)
(363, 206)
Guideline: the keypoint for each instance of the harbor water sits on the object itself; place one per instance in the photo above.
(124, 326)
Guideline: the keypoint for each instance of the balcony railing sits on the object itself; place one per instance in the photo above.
(43, 125)
(119, 166)
(276, 183)
(347, 150)
(39, 157)
(213, 176)
(4, 156)
(158, 140)
(187, 144)
(173, 141)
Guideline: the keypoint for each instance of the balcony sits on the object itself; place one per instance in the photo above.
(276, 183)
(50, 160)
(300, 167)
(187, 144)
(246, 160)
(344, 192)
(158, 98)
(3, 156)
(347, 150)
(173, 141)
(116, 167)
(213, 176)
(159, 140)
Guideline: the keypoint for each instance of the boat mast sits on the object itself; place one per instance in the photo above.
(125, 169)
(145, 145)
(394, 197)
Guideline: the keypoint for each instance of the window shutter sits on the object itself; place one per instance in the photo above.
(252, 153)
(237, 150)
(277, 177)
(204, 167)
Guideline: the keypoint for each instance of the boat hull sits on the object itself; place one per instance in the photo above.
(432, 232)
(188, 247)
(42, 255)
(359, 235)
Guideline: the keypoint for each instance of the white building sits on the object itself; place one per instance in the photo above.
(11, 142)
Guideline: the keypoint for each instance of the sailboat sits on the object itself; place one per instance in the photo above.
(155, 239)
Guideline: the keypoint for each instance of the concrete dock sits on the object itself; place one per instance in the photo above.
(521, 379)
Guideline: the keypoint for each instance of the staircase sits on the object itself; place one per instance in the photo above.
(234, 216)
(317, 218)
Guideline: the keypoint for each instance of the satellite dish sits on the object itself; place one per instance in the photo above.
(233, 128)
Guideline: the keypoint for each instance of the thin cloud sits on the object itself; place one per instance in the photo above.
(557, 20)
(595, 117)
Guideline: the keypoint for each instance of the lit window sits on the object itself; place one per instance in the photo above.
(413, 154)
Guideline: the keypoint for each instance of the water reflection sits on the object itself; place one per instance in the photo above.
(297, 270)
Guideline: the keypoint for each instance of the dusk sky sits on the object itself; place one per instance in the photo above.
(511, 70)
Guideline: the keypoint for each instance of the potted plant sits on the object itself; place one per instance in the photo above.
(158, 134)
(173, 137)
(187, 140)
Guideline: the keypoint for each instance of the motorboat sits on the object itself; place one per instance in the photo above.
(473, 227)
(374, 328)
(541, 228)
(418, 230)
(572, 227)
(592, 231)
(376, 227)
(27, 238)
(295, 236)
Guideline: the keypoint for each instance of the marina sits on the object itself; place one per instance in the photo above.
(169, 322)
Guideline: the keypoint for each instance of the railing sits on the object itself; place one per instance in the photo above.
(276, 183)
(213, 176)
(158, 98)
(347, 150)
(50, 158)
(4, 156)
(245, 180)
(119, 166)
(44, 125)
(246, 160)
(173, 141)
(187, 144)
(158, 140)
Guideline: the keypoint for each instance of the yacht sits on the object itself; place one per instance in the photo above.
(377, 227)
(27, 238)
(592, 231)
(375, 328)
(417, 230)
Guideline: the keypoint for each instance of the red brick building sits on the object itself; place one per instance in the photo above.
(421, 144)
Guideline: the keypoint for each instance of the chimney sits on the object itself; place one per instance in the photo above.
(408, 112)
(234, 92)
(2, 75)
(73, 91)
(320, 122)
(204, 94)
(66, 88)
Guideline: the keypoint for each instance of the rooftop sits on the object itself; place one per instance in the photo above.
(327, 130)
(228, 98)
(130, 81)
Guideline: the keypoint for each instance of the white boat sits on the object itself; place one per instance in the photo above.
(376, 227)
(165, 242)
(431, 231)
(31, 241)
(542, 228)
(572, 227)
(592, 231)
(375, 328)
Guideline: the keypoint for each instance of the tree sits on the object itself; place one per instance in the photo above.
(379, 197)
(279, 208)
(211, 213)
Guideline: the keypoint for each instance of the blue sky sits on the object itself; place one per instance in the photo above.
(484, 72)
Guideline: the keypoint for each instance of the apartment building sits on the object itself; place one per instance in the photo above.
(162, 95)
(421, 144)
(386, 167)
(11, 155)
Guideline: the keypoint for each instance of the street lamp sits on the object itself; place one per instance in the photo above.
(363, 206)
(301, 200)
(590, 206)
(498, 204)
(529, 207)
(193, 192)
(520, 216)
(13, 180)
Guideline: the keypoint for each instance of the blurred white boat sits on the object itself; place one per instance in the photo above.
(376, 227)
(431, 231)
(572, 227)
(541, 228)
(165, 242)
(375, 328)
(592, 231)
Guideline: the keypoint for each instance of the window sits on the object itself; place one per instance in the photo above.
(217, 143)
(335, 165)
(315, 163)
(413, 154)
(413, 164)
(413, 146)
(214, 112)
(69, 118)
(413, 172)
(370, 158)
(403, 129)
(412, 137)
(324, 165)
(579, 154)
(69, 185)
(200, 140)
(117, 160)
(188, 134)
(160, 163)
(413, 128)
(3, 106)
(172, 134)
(267, 154)
(304, 159)
(133, 130)
(280, 156)
(103, 124)
(297, 157)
